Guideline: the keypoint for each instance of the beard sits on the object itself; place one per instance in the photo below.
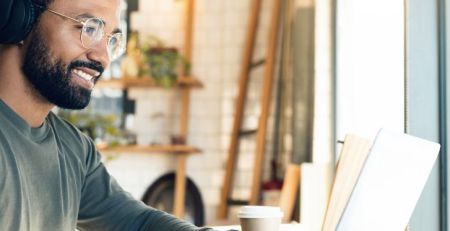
(52, 79)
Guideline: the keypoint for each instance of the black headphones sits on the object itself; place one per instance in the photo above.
(17, 18)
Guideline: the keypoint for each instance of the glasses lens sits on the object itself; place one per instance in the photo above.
(116, 45)
(92, 32)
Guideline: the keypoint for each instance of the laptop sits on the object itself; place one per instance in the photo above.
(390, 183)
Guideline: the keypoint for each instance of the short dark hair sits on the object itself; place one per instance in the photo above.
(44, 3)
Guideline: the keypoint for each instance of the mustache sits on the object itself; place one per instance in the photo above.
(91, 65)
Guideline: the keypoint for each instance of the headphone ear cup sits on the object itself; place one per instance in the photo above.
(5, 12)
(16, 20)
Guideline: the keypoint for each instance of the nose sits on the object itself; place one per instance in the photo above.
(99, 53)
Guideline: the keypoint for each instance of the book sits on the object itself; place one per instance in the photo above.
(351, 161)
(377, 186)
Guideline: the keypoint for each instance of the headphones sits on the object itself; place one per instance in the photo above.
(17, 18)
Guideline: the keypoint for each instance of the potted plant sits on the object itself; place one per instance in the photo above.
(163, 62)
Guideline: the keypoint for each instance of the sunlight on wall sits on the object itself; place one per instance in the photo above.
(323, 141)
(370, 66)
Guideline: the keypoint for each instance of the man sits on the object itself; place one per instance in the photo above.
(51, 177)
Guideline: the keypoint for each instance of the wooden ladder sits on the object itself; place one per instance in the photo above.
(266, 91)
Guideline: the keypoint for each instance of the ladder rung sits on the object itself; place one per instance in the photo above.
(257, 63)
(247, 132)
(237, 202)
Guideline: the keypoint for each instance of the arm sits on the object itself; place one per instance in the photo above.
(106, 206)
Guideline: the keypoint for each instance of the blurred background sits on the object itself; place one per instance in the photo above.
(297, 75)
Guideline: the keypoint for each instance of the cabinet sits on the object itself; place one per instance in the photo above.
(183, 84)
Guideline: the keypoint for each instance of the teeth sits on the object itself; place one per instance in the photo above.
(84, 75)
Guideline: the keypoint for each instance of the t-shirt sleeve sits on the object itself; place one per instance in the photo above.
(106, 206)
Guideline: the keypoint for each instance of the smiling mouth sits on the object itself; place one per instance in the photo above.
(87, 76)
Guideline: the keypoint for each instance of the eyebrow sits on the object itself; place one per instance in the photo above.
(88, 15)
(117, 30)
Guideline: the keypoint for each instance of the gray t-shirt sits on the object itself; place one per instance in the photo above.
(51, 178)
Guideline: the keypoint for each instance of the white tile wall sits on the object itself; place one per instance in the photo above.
(219, 33)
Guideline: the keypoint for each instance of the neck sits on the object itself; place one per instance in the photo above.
(17, 92)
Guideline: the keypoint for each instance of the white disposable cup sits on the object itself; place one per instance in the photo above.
(260, 218)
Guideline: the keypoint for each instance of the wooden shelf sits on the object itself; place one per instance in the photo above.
(174, 149)
(146, 82)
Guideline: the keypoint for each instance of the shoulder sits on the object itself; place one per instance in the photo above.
(70, 137)
(66, 129)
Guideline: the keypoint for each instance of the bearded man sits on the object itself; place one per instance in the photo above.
(51, 176)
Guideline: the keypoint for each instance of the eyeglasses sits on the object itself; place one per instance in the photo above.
(93, 31)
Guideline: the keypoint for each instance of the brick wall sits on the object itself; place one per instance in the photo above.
(219, 32)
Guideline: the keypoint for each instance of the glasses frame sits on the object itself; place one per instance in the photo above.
(83, 23)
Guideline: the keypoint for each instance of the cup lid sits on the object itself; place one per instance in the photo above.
(260, 212)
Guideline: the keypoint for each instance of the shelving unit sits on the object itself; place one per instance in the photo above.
(147, 82)
(184, 84)
(171, 149)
